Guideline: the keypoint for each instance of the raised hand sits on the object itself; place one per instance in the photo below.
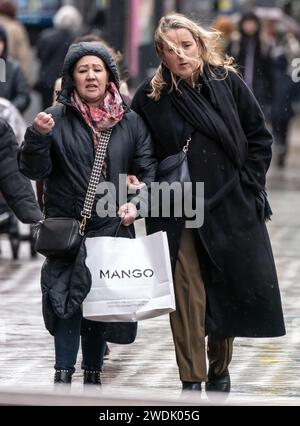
(43, 123)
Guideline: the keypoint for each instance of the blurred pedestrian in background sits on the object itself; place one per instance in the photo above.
(13, 117)
(96, 22)
(226, 27)
(253, 56)
(15, 88)
(14, 186)
(224, 274)
(18, 41)
(52, 47)
(285, 93)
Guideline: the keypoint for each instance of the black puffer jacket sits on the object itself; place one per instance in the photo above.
(15, 187)
(64, 159)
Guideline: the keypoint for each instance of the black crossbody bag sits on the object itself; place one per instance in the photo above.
(175, 168)
(62, 236)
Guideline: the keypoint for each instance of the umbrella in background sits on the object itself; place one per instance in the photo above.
(276, 14)
(273, 15)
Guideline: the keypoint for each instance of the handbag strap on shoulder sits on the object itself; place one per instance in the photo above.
(103, 139)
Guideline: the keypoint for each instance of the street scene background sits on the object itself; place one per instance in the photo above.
(262, 370)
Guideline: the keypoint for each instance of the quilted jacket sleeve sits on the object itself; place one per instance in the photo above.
(16, 188)
(35, 157)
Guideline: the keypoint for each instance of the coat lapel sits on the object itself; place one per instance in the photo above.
(168, 127)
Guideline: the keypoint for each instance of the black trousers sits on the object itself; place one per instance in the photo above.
(67, 340)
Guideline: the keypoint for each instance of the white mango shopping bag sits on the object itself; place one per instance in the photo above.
(131, 278)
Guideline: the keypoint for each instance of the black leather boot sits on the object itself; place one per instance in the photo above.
(91, 378)
(63, 376)
(218, 383)
(191, 386)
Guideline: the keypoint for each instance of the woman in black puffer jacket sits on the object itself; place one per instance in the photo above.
(59, 148)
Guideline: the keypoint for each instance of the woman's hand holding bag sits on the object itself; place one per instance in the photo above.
(128, 213)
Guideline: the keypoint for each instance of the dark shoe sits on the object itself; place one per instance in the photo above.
(63, 376)
(191, 386)
(91, 378)
(218, 383)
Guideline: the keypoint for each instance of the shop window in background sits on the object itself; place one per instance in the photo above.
(37, 12)
(224, 6)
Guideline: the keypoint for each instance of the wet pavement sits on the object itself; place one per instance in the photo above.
(263, 371)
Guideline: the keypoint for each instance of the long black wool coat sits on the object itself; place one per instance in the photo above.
(234, 250)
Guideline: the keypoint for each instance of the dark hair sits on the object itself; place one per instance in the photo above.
(8, 8)
(89, 38)
(249, 16)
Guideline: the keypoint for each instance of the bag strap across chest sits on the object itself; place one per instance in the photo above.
(103, 140)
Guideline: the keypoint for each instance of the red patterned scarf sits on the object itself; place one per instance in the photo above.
(106, 115)
(103, 117)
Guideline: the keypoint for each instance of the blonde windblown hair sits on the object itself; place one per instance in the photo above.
(208, 42)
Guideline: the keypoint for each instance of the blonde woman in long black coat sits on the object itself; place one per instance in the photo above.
(225, 278)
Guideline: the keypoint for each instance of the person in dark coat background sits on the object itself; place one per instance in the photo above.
(224, 274)
(15, 88)
(285, 91)
(52, 47)
(15, 187)
(253, 56)
(59, 148)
